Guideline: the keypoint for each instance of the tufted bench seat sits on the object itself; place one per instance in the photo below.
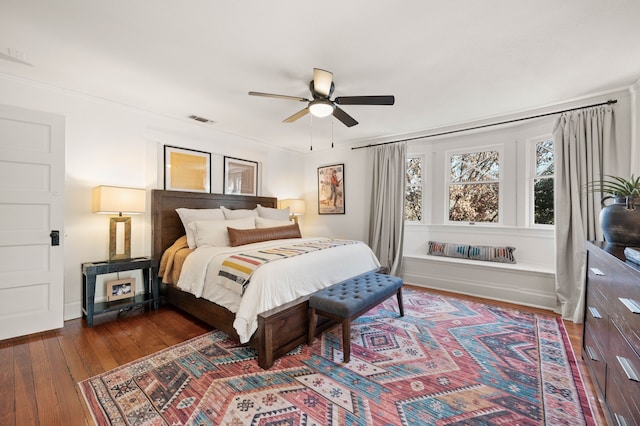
(347, 300)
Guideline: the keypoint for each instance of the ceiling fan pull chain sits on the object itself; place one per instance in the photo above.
(331, 133)
(311, 131)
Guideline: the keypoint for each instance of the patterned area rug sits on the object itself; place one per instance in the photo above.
(447, 362)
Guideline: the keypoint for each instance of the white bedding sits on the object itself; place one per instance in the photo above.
(274, 283)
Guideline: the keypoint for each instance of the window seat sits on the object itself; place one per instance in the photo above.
(519, 266)
(521, 283)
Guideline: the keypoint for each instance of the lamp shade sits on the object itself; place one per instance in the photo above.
(116, 200)
(296, 207)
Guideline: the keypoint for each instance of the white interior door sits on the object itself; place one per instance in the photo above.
(31, 207)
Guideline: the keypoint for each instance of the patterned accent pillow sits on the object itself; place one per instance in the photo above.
(492, 254)
(448, 249)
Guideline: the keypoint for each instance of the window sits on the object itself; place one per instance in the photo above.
(474, 186)
(413, 190)
(542, 183)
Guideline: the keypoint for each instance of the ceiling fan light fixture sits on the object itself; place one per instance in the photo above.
(321, 107)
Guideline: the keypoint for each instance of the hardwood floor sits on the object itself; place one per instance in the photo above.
(39, 374)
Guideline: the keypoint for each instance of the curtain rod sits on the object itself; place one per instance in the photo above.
(609, 102)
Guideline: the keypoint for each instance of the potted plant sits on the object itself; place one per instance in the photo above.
(620, 219)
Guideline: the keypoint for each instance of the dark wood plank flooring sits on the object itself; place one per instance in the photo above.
(39, 373)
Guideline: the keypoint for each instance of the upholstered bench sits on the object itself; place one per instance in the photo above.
(347, 300)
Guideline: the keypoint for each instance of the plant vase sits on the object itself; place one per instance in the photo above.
(620, 220)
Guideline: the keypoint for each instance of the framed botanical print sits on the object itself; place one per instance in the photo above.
(187, 169)
(331, 198)
(240, 176)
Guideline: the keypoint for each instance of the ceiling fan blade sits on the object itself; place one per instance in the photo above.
(322, 82)
(346, 119)
(271, 95)
(297, 115)
(365, 100)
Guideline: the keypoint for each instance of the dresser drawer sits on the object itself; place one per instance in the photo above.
(596, 320)
(625, 308)
(594, 357)
(624, 370)
(619, 410)
(599, 285)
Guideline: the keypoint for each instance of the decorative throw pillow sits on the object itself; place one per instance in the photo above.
(273, 214)
(238, 213)
(270, 223)
(190, 215)
(447, 249)
(214, 232)
(492, 254)
(239, 237)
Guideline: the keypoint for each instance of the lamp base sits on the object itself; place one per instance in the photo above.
(120, 238)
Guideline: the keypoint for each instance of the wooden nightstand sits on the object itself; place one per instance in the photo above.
(90, 270)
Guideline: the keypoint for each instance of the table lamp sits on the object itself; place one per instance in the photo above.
(119, 200)
(296, 207)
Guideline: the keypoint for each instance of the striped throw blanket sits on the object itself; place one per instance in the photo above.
(238, 268)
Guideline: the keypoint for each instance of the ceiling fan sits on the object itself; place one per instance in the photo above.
(321, 105)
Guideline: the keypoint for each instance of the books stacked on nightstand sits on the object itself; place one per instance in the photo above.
(632, 254)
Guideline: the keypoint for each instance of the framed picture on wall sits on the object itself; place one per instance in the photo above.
(240, 176)
(187, 169)
(331, 199)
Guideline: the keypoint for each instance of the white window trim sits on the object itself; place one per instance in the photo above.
(531, 176)
(447, 182)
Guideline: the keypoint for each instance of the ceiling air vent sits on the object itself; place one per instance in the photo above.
(201, 119)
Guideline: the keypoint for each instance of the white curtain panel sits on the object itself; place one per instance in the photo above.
(582, 140)
(386, 227)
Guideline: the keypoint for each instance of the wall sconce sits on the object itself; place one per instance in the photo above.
(296, 207)
(118, 200)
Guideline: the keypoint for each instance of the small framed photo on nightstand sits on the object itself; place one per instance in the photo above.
(121, 289)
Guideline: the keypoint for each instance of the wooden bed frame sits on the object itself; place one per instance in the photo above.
(280, 329)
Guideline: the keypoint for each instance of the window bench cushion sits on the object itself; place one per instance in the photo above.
(448, 249)
(502, 254)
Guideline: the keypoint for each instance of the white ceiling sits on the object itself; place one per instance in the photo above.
(446, 62)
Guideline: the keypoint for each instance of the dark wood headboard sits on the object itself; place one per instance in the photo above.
(166, 226)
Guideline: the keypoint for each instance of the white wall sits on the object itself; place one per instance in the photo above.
(111, 144)
(354, 224)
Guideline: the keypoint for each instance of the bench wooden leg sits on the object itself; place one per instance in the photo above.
(346, 339)
(312, 325)
(400, 302)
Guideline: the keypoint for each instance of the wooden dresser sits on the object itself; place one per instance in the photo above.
(611, 337)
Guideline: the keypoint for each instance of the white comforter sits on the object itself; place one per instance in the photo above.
(274, 283)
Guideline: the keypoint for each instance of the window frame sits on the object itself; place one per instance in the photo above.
(447, 182)
(532, 175)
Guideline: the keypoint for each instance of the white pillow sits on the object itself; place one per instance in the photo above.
(271, 223)
(215, 233)
(273, 214)
(189, 215)
(238, 214)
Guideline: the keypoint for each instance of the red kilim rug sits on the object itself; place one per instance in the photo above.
(447, 362)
